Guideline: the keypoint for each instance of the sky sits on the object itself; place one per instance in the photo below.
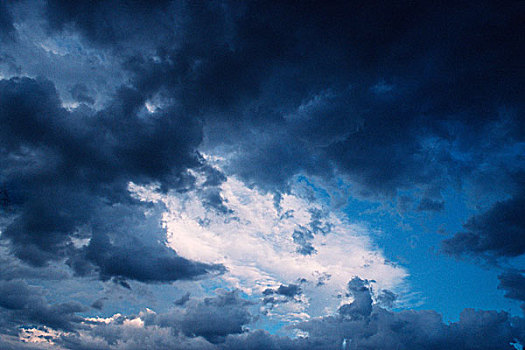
(262, 175)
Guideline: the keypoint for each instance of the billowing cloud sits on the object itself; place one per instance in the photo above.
(389, 110)
(182, 148)
(363, 325)
(66, 180)
(498, 232)
(219, 323)
(256, 241)
(22, 304)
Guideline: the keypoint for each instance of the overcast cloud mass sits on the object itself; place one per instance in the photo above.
(262, 175)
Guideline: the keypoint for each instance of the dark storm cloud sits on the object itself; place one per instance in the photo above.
(391, 95)
(513, 283)
(23, 304)
(7, 29)
(145, 263)
(498, 232)
(67, 172)
(321, 108)
(80, 93)
(388, 95)
(111, 23)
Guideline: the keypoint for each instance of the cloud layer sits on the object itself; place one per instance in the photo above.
(200, 157)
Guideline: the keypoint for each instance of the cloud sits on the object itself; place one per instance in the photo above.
(391, 113)
(200, 325)
(110, 24)
(145, 263)
(290, 290)
(80, 93)
(362, 304)
(368, 326)
(24, 304)
(216, 318)
(497, 233)
(428, 204)
(363, 94)
(182, 300)
(513, 283)
(7, 29)
(66, 174)
(262, 255)
(282, 294)
(111, 107)
(219, 323)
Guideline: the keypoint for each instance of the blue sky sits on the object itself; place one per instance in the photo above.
(261, 175)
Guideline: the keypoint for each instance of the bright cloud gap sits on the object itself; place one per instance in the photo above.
(261, 243)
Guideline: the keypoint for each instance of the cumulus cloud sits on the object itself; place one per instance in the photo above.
(368, 326)
(66, 180)
(249, 70)
(361, 324)
(263, 256)
(112, 115)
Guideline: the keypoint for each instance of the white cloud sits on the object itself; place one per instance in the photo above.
(43, 336)
(255, 243)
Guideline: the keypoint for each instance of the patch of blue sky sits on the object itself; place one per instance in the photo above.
(413, 239)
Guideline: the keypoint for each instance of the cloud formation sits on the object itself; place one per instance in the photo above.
(201, 146)
(498, 232)
(218, 323)
(66, 178)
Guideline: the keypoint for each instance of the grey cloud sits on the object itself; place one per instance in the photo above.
(362, 304)
(98, 304)
(290, 290)
(294, 91)
(282, 294)
(7, 29)
(387, 95)
(211, 318)
(513, 283)
(80, 93)
(386, 298)
(145, 263)
(182, 300)
(63, 170)
(303, 237)
(215, 318)
(497, 233)
(367, 326)
(112, 23)
(21, 304)
(371, 327)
